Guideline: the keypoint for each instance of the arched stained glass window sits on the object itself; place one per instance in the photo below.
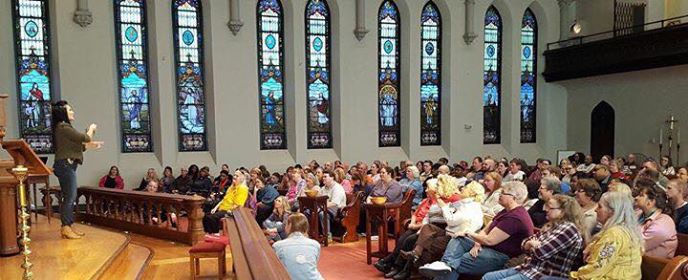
(188, 46)
(528, 76)
(388, 74)
(492, 77)
(32, 54)
(132, 60)
(271, 75)
(430, 75)
(318, 74)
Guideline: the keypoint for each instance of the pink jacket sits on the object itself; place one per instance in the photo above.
(659, 233)
(119, 183)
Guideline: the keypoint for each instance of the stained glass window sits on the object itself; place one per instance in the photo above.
(271, 75)
(32, 49)
(388, 75)
(492, 82)
(188, 44)
(430, 75)
(528, 76)
(318, 74)
(132, 40)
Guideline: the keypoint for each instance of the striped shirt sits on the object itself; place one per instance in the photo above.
(560, 249)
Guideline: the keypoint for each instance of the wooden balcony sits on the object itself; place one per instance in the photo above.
(610, 52)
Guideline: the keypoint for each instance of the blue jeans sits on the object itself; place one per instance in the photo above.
(505, 274)
(66, 174)
(458, 257)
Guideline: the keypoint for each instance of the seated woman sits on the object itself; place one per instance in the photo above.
(112, 180)
(587, 194)
(265, 197)
(656, 227)
(493, 184)
(275, 224)
(167, 179)
(411, 181)
(553, 251)
(393, 263)
(340, 177)
(298, 253)
(310, 185)
(234, 198)
(150, 175)
(488, 250)
(459, 218)
(616, 251)
(676, 192)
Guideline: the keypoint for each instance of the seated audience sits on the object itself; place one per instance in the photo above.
(587, 166)
(549, 186)
(150, 175)
(503, 167)
(488, 250)
(202, 183)
(296, 185)
(542, 164)
(112, 180)
(676, 192)
(182, 182)
(615, 167)
(657, 228)
(682, 174)
(602, 175)
(493, 190)
(411, 181)
(515, 171)
(336, 197)
(556, 249)
(340, 177)
(275, 224)
(234, 198)
(616, 251)
(666, 166)
(167, 179)
(298, 253)
(454, 219)
(587, 195)
(265, 196)
(387, 187)
(394, 263)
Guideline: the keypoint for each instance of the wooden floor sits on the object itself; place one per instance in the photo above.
(57, 258)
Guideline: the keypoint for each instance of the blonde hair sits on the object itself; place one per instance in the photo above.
(339, 174)
(620, 187)
(285, 205)
(446, 186)
(474, 190)
(571, 212)
(297, 223)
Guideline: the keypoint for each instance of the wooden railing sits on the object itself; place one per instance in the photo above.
(252, 256)
(166, 216)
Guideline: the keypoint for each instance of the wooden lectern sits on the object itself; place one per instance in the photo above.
(21, 154)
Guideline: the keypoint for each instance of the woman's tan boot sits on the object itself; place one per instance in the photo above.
(67, 233)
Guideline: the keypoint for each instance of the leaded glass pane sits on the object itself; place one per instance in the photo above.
(318, 74)
(188, 43)
(528, 76)
(32, 54)
(132, 58)
(430, 76)
(388, 75)
(492, 77)
(270, 75)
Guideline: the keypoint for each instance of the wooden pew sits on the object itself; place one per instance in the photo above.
(663, 269)
(344, 225)
(252, 255)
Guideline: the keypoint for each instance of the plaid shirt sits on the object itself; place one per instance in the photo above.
(560, 249)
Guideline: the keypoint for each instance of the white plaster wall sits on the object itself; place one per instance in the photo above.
(84, 65)
(642, 101)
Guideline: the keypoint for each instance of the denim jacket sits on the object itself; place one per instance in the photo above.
(300, 256)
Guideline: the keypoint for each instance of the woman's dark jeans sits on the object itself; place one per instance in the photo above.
(66, 174)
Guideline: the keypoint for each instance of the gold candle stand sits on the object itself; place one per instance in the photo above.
(20, 172)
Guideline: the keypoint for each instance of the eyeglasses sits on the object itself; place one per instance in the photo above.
(504, 193)
(547, 207)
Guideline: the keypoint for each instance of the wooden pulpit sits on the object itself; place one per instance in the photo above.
(21, 154)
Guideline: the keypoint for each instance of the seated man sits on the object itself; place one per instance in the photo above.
(336, 196)
(234, 198)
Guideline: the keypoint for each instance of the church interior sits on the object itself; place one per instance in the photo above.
(214, 139)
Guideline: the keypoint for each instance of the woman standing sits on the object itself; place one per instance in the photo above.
(69, 147)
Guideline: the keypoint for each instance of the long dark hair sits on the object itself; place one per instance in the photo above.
(659, 196)
(59, 113)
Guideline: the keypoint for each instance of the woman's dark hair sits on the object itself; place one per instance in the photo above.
(193, 171)
(659, 196)
(116, 168)
(166, 169)
(59, 113)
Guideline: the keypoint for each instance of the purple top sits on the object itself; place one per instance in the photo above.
(517, 224)
(393, 192)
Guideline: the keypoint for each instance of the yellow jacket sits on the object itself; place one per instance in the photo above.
(234, 198)
(612, 255)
